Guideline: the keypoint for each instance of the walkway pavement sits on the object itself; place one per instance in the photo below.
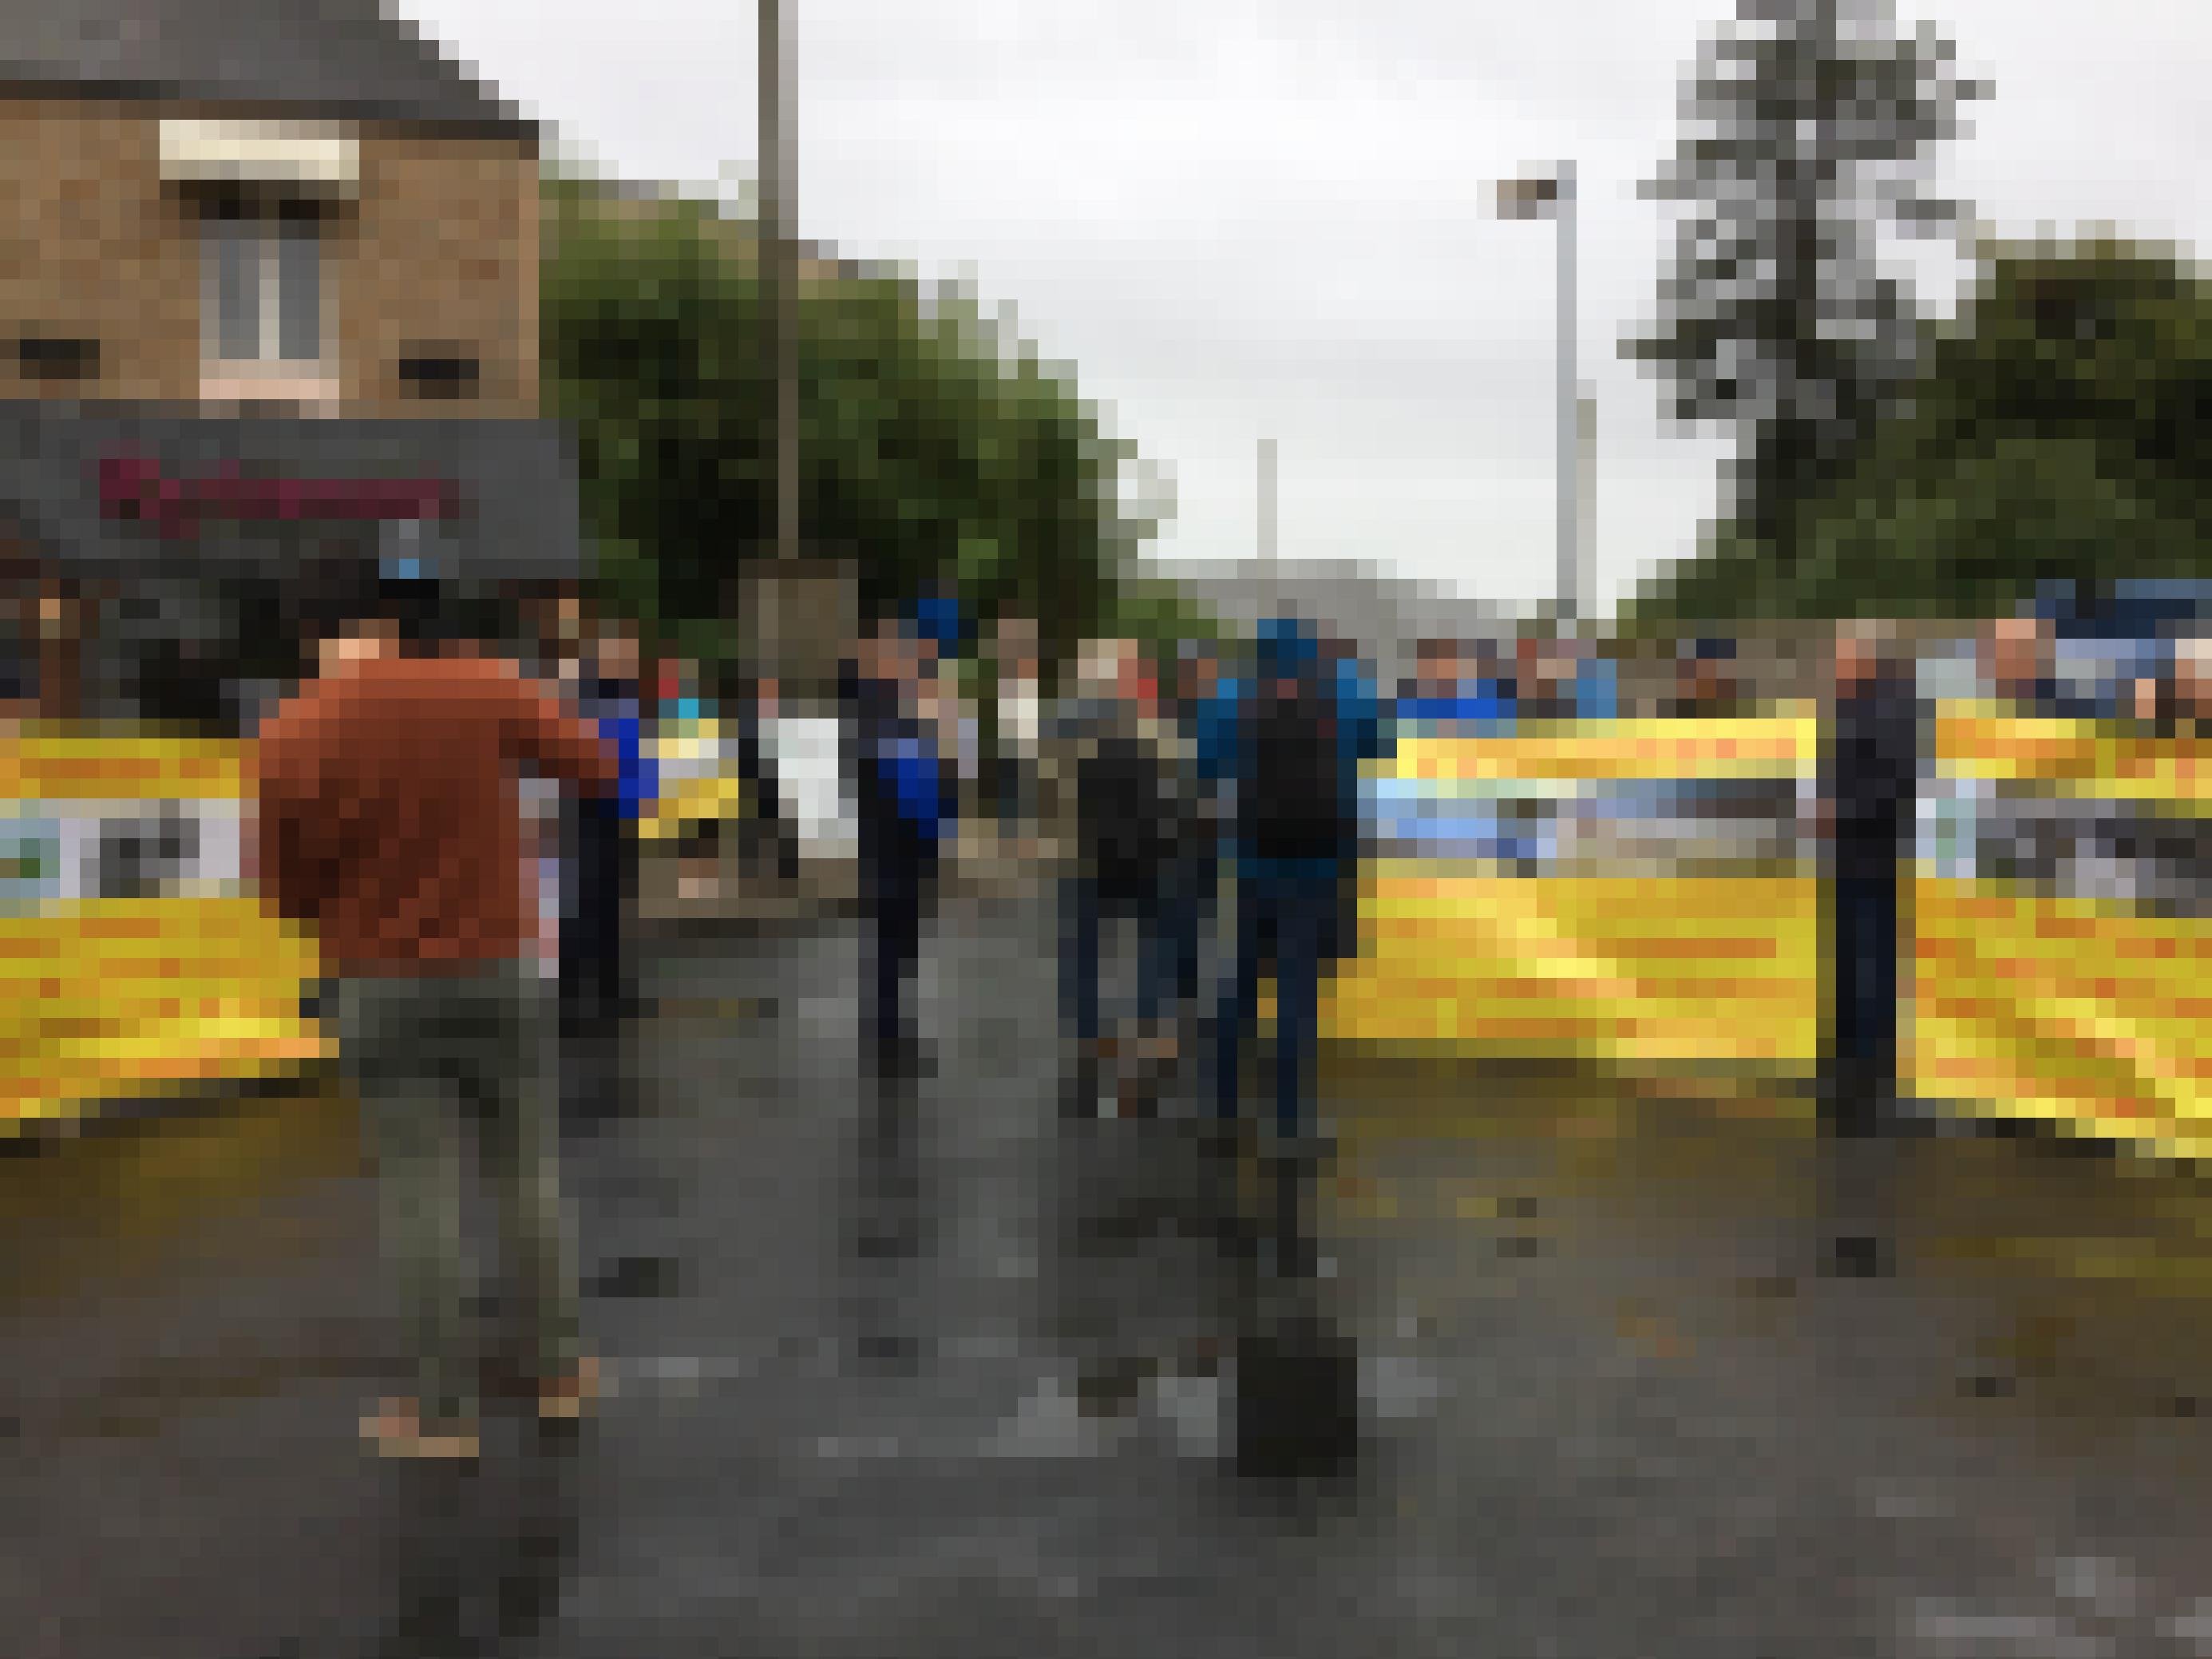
(883, 1387)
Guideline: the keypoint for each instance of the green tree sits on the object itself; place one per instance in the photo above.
(1806, 119)
(934, 451)
(2060, 429)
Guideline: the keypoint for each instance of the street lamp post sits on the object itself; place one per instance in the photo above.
(1554, 196)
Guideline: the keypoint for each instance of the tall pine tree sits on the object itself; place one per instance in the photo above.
(1806, 122)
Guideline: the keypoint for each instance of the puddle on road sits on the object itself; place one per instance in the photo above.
(2087, 1276)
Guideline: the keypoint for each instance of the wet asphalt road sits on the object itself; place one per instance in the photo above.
(887, 1384)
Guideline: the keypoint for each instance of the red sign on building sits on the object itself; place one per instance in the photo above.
(133, 487)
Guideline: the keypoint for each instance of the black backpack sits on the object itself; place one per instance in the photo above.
(1293, 804)
(1132, 809)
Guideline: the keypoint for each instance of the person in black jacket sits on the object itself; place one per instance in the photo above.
(1870, 788)
(1135, 806)
(1872, 767)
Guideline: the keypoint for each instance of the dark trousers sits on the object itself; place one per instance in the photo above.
(1294, 918)
(603, 877)
(898, 887)
(767, 832)
(1864, 972)
(1085, 912)
(1192, 902)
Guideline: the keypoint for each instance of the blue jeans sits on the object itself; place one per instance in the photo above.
(1294, 916)
(1082, 920)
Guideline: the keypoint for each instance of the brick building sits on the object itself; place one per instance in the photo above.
(268, 308)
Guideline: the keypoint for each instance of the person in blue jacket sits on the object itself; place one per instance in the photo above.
(595, 988)
(1287, 739)
(900, 774)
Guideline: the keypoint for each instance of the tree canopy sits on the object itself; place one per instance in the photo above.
(935, 452)
(1804, 123)
(2060, 429)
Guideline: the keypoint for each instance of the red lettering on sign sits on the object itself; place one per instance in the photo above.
(135, 488)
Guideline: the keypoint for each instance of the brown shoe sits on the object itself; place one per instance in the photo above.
(395, 1430)
(567, 1398)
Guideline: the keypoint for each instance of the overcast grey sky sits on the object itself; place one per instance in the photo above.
(1241, 219)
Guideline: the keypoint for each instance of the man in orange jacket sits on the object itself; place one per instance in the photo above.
(388, 824)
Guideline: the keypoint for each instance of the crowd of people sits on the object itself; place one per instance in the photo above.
(1164, 776)
(1207, 802)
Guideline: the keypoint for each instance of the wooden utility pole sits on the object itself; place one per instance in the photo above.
(779, 253)
(1571, 600)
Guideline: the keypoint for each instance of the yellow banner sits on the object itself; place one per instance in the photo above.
(2076, 1010)
(1619, 748)
(105, 998)
(1617, 970)
(689, 802)
(117, 997)
(2072, 1010)
(59, 763)
(2079, 758)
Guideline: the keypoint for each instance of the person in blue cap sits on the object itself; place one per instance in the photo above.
(1287, 740)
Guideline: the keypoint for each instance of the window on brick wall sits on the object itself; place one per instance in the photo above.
(262, 294)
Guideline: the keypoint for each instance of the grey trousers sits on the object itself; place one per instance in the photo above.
(438, 1059)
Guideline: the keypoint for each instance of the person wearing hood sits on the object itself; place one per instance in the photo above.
(1287, 741)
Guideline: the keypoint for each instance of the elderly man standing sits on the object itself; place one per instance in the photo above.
(1871, 767)
(387, 821)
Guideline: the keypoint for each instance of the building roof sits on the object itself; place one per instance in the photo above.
(1382, 613)
(357, 60)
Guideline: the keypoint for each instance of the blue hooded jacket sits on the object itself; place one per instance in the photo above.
(1285, 648)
